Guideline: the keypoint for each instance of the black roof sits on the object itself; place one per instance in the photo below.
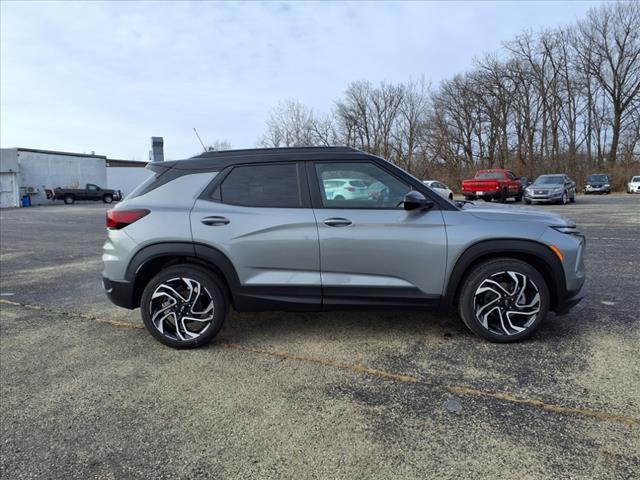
(221, 159)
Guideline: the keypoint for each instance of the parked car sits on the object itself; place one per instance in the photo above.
(634, 185)
(439, 188)
(255, 230)
(89, 192)
(598, 183)
(378, 192)
(345, 189)
(493, 184)
(551, 189)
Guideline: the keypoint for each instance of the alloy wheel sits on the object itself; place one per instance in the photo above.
(507, 303)
(181, 309)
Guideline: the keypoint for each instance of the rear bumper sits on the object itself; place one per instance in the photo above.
(119, 292)
(476, 194)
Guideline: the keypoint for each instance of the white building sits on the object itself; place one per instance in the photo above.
(125, 175)
(9, 191)
(28, 171)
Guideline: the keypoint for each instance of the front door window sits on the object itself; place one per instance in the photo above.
(359, 185)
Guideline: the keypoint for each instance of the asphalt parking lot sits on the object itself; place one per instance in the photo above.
(87, 393)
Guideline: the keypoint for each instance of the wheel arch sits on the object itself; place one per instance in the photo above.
(151, 259)
(537, 254)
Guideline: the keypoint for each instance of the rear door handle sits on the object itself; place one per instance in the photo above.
(337, 222)
(215, 221)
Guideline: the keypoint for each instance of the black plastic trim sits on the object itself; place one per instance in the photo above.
(120, 293)
(278, 298)
(337, 298)
(554, 271)
(572, 298)
(157, 250)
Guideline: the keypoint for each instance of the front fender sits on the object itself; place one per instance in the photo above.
(536, 253)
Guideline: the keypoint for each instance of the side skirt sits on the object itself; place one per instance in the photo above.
(284, 298)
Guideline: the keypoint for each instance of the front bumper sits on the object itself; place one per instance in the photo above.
(543, 197)
(588, 190)
(571, 300)
(119, 292)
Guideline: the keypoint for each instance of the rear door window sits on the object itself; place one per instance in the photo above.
(275, 185)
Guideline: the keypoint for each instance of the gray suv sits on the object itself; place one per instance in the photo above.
(257, 230)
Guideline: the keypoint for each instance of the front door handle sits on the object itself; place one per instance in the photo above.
(215, 221)
(337, 222)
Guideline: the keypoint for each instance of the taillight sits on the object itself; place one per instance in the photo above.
(117, 219)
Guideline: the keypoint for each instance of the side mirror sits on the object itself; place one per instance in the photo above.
(416, 201)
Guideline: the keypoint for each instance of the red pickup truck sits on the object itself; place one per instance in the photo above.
(490, 184)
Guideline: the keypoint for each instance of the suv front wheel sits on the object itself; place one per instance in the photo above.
(184, 306)
(504, 300)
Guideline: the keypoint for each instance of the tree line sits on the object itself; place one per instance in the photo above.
(561, 100)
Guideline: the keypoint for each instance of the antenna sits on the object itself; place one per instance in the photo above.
(204, 149)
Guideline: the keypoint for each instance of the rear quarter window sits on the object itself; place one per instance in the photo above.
(145, 186)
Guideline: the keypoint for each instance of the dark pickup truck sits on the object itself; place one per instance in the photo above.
(90, 192)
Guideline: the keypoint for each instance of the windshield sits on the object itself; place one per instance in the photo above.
(597, 178)
(635, 179)
(489, 175)
(550, 180)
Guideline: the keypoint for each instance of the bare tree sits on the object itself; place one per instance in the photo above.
(608, 43)
(219, 145)
(559, 100)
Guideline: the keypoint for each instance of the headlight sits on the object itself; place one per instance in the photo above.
(528, 189)
(569, 230)
(557, 189)
(606, 185)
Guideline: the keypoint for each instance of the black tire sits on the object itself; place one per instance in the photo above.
(565, 198)
(518, 198)
(107, 198)
(213, 289)
(469, 198)
(69, 199)
(491, 268)
(451, 197)
(486, 198)
(528, 202)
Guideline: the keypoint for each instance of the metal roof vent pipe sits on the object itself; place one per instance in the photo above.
(157, 149)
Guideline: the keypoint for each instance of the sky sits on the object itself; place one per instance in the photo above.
(106, 76)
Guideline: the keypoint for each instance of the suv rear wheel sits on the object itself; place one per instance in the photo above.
(184, 306)
(504, 300)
